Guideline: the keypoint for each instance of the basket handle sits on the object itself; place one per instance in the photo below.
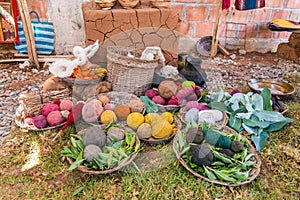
(36, 15)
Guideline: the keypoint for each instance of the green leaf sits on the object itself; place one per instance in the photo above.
(248, 157)
(181, 142)
(80, 145)
(78, 190)
(209, 174)
(260, 140)
(109, 159)
(266, 95)
(254, 121)
(249, 163)
(104, 157)
(185, 150)
(271, 116)
(224, 159)
(217, 163)
(276, 126)
(118, 144)
(80, 155)
(109, 125)
(73, 141)
(241, 176)
(217, 106)
(75, 164)
(99, 163)
(257, 102)
(222, 176)
(250, 130)
(235, 123)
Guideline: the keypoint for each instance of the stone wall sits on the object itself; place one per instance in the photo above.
(290, 50)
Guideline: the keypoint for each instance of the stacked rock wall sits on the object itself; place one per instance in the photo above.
(290, 50)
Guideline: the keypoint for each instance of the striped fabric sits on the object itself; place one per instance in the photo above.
(249, 4)
(43, 37)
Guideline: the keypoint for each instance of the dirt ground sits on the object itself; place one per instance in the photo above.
(235, 72)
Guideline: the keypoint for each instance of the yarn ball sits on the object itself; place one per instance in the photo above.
(91, 111)
(55, 118)
(66, 105)
(56, 101)
(40, 121)
(28, 120)
(48, 108)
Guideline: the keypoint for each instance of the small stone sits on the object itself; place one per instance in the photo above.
(233, 56)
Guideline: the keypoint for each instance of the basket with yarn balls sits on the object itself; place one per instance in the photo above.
(104, 149)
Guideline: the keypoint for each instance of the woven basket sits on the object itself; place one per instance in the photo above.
(183, 111)
(168, 108)
(118, 98)
(31, 104)
(254, 172)
(107, 171)
(129, 74)
(165, 140)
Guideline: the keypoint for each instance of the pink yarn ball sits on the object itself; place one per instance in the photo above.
(66, 105)
(40, 121)
(55, 118)
(48, 108)
(91, 111)
(28, 120)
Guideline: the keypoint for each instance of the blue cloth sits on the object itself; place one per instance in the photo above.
(43, 37)
(249, 4)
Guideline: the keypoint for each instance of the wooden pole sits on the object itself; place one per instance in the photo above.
(215, 38)
(28, 32)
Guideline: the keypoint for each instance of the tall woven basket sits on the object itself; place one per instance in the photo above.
(129, 74)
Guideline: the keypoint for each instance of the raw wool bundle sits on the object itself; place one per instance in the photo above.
(63, 67)
(169, 72)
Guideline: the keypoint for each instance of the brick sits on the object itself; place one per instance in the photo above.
(41, 6)
(184, 28)
(204, 29)
(264, 32)
(295, 16)
(250, 30)
(240, 16)
(280, 14)
(212, 13)
(281, 35)
(260, 15)
(196, 13)
(185, 1)
(295, 4)
(178, 9)
(222, 30)
(274, 4)
(211, 1)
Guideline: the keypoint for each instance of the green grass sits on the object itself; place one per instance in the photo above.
(279, 177)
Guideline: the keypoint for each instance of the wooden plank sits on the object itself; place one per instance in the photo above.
(21, 55)
(215, 38)
(28, 32)
(223, 50)
(52, 59)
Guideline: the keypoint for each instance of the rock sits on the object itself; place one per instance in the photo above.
(242, 51)
(233, 56)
